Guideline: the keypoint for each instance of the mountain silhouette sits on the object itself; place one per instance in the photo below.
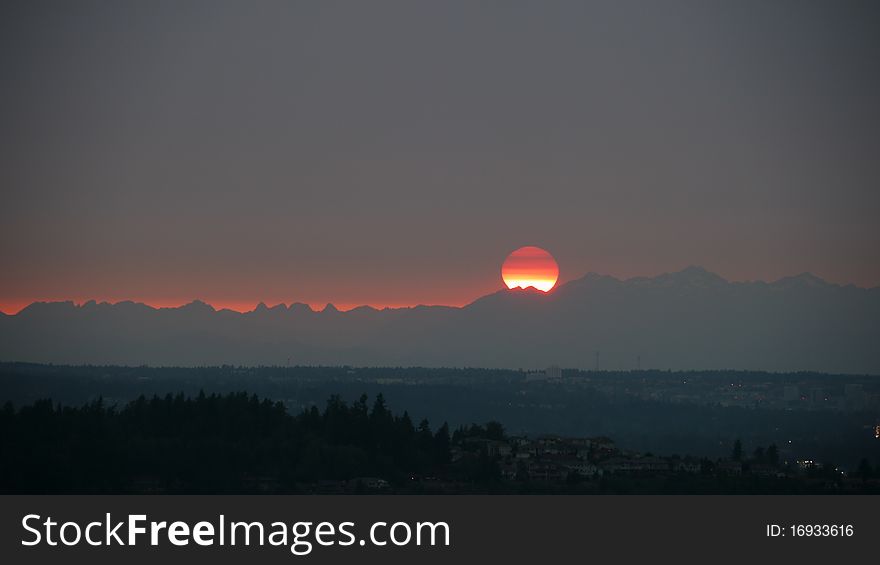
(690, 319)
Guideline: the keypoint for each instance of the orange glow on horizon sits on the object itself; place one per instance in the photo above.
(525, 267)
(12, 308)
(530, 266)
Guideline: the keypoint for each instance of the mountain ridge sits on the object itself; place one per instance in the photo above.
(688, 274)
(689, 319)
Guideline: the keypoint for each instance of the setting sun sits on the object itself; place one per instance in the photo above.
(530, 267)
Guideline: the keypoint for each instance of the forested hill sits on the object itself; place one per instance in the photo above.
(209, 444)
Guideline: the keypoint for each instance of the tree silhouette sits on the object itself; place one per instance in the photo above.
(772, 455)
(442, 453)
(865, 471)
(737, 451)
(210, 443)
(759, 455)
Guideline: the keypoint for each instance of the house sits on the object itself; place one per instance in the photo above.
(635, 465)
(509, 470)
(582, 467)
(546, 471)
(692, 466)
(763, 470)
(728, 467)
(371, 483)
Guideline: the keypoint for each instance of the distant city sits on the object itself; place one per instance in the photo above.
(714, 432)
(797, 391)
(583, 428)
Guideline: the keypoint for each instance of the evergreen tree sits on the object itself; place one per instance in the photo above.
(737, 451)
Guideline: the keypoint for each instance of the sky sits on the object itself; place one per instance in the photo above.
(394, 153)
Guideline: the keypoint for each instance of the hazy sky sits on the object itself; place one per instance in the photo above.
(394, 153)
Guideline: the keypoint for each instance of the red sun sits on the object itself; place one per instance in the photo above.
(530, 266)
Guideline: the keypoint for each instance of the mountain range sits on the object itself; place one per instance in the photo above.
(691, 319)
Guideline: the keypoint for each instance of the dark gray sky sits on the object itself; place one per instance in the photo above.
(394, 153)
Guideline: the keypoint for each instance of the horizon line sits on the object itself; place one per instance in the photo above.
(244, 307)
(524, 370)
